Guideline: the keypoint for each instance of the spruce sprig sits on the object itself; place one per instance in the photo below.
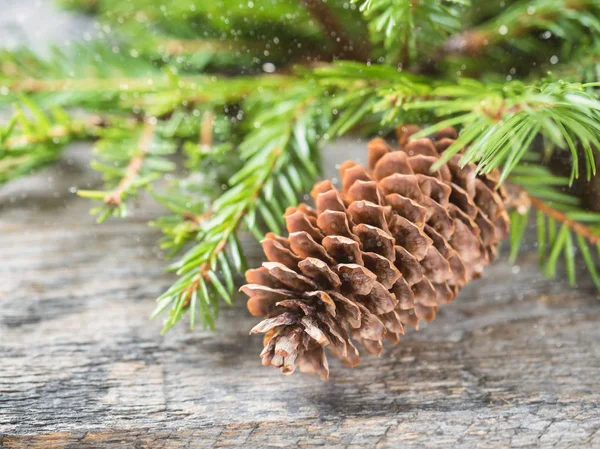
(201, 35)
(130, 158)
(524, 37)
(564, 228)
(400, 24)
(33, 138)
(498, 121)
(567, 20)
(280, 161)
(95, 78)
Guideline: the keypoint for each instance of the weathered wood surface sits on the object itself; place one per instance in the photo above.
(514, 362)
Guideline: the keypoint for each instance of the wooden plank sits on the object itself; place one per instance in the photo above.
(514, 362)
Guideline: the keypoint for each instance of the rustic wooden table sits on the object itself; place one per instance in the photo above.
(513, 362)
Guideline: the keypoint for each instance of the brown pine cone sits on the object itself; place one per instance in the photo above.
(380, 254)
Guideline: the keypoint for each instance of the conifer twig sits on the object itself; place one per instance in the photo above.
(54, 132)
(76, 127)
(34, 137)
(517, 21)
(353, 49)
(561, 217)
(114, 197)
(34, 85)
(249, 171)
(407, 28)
(203, 273)
(196, 219)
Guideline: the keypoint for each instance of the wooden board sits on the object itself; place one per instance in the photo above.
(513, 362)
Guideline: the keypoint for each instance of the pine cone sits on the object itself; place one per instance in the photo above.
(376, 256)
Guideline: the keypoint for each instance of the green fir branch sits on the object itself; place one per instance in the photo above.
(499, 121)
(116, 82)
(408, 28)
(33, 138)
(211, 159)
(130, 158)
(529, 25)
(279, 163)
(565, 230)
(279, 32)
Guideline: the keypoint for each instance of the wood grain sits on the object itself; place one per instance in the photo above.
(513, 362)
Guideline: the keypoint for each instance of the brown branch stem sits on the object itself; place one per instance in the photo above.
(115, 197)
(202, 274)
(206, 131)
(472, 42)
(335, 30)
(32, 85)
(405, 58)
(503, 109)
(191, 46)
(196, 220)
(578, 228)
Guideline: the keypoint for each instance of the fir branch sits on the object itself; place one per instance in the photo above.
(114, 198)
(585, 67)
(593, 236)
(138, 85)
(566, 19)
(279, 163)
(174, 47)
(346, 47)
(155, 72)
(95, 77)
(73, 129)
(94, 60)
(123, 85)
(407, 27)
(560, 221)
(34, 138)
(499, 127)
(499, 121)
(191, 53)
(131, 156)
(280, 31)
(210, 162)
